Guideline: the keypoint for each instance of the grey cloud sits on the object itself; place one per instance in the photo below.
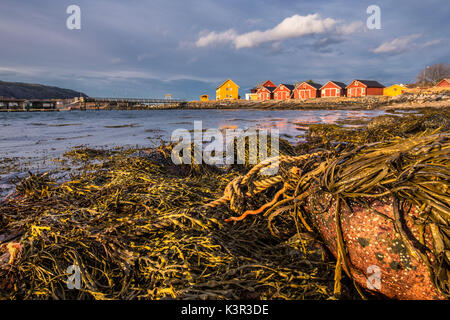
(295, 26)
(146, 48)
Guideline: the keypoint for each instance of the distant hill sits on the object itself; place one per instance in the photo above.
(20, 90)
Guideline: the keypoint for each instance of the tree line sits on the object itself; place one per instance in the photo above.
(431, 75)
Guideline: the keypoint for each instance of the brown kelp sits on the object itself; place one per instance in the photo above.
(139, 227)
(135, 226)
(415, 169)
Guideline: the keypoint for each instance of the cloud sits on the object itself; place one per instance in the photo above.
(431, 43)
(398, 45)
(23, 71)
(144, 56)
(115, 60)
(356, 26)
(403, 44)
(322, 44)
(40, 49)
(253, 21)
(292, 27)
(214, 37)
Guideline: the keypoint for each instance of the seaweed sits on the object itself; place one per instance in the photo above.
(413, 166)
(139, 227)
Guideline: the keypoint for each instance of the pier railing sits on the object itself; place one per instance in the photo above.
(7, 104)
(134, 100)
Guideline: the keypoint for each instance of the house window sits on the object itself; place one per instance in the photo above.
(337, 92)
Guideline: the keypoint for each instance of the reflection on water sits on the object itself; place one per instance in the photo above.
(40, 136)
(29, 134)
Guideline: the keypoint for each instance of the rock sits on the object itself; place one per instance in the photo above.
(373, 244)
(382, 121)
(154, 155)
(435, 121)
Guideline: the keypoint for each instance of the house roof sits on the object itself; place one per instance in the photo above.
(445, 79)
(369, 83)
(271, 89)
(289, 86)
(262, 84)
(226, 82)
(314, 85)
(339, 84)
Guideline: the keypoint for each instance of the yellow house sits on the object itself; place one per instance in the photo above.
(394, 90)
(227, 91)
(204, 97)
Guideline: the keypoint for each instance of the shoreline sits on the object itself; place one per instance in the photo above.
(404, 102)
(366, 103)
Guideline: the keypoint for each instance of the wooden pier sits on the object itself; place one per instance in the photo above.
(125, 103)
(17, 105)
(82, 103)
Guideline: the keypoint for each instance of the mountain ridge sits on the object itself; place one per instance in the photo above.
(22, 90)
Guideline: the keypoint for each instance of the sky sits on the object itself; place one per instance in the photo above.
(150, 48)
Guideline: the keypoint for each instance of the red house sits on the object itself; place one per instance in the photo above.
(333, 89)
(362, 88)
(268, 84)
(265, 93)
(306, 90)
(283, 91)
(445, 83)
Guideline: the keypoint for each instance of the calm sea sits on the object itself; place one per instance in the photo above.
(29, 140)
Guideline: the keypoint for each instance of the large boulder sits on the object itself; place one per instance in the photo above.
(374, 245)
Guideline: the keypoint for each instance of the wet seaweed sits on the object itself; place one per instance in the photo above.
(412, 166)
(139, 227)
(136, 228)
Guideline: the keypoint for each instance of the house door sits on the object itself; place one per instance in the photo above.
(330, 92)
(359, 92)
